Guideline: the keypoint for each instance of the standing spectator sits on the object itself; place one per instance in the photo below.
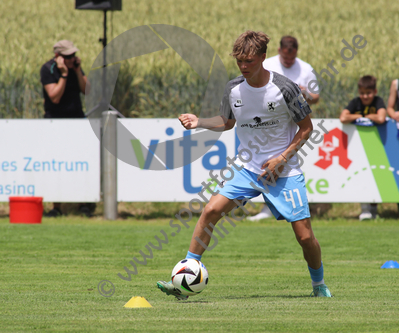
(366, 110)
(288, 64)
(63, 80)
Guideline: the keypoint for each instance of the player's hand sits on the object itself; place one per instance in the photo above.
(270, 169)
(189, 121)
(76, 64)
(61, 65)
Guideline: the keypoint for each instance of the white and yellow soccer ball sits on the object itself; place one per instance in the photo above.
(190, 276)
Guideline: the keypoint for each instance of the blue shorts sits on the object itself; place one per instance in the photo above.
(287, 199)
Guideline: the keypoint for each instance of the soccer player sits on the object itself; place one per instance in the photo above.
(268, 109)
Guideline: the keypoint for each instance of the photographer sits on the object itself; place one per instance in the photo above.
(63, 80)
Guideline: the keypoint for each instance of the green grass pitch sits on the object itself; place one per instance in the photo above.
(258, 279)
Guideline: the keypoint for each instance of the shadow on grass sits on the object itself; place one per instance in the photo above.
(246, 297)
(389, 214)
(153, 215)
(266, 296)
(159, 210)
(349, 211)
(151, 210)
(325, 211)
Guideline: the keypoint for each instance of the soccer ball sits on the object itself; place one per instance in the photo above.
(190, 276)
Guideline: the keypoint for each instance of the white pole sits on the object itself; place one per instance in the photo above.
(109, 159)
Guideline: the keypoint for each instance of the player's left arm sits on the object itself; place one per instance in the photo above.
(305, 128)
(302, 135)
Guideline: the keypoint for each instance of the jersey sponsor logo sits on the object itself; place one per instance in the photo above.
(259, 123)
(335, 144)
(271, 106)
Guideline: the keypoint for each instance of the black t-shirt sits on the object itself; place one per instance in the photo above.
(70, 105)
(356, 106)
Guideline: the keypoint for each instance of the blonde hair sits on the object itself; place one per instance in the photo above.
(250, 43)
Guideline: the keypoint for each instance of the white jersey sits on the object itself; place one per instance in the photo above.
(266, 119)
(300, 72)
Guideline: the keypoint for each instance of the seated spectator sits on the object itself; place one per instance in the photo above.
(367, 109)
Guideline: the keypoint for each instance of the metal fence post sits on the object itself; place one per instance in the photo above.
(109, 175)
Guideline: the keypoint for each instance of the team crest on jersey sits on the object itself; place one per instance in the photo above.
(271, 106)
(301, 101)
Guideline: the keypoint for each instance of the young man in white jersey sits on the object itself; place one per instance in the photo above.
(268, 108)
(288, 64)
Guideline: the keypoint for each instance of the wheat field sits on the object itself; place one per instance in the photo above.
(147, 86)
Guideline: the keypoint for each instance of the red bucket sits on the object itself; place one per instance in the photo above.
(26, 209)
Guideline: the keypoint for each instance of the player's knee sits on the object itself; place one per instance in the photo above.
(305, 240)
(212, 211)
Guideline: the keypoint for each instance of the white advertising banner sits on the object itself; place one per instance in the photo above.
(343, 163)
(169, 184)
(57, 159)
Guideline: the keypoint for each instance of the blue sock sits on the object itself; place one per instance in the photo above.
(193, 256)
(316, 275)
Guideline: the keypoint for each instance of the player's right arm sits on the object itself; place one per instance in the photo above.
(347, 117)
(217, 124)
(224, 122)
(392, 100)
